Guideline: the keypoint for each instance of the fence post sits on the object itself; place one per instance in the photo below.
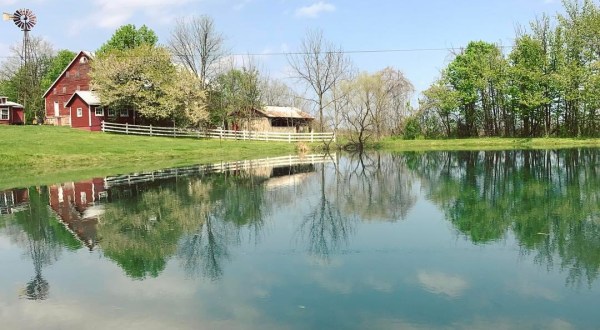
(289, 137)
(126, 128)
(102, 126)
(150, 129)
(312, 139)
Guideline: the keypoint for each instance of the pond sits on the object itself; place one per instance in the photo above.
(460, 240)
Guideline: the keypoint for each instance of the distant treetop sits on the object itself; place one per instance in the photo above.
(128, 37)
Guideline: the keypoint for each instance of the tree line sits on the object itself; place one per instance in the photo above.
(546, 85)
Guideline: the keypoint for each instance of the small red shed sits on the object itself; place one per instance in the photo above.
(86, 112)
(11, 113)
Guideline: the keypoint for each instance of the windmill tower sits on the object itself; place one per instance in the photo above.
(25, 20)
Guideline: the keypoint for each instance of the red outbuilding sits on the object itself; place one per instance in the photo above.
(11, 113)
(87, 112)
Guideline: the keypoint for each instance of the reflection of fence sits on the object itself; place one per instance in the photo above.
(217, 168)
(216, 133)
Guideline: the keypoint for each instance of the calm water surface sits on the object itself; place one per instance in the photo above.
(379, 241)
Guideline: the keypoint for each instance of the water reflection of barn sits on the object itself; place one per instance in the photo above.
(77, 205)
(11, 201)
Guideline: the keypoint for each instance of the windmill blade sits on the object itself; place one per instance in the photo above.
(25, 19)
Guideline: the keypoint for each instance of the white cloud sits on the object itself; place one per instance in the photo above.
(314, 10)
(444, 284)
(111, 14)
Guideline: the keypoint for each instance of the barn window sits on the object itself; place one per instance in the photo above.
(54, 91)
(99, 112)
(4, 114)
(79, 112)
(64, 89)
(83, 60)
(124, 113)
(67, 74)
(112, 113)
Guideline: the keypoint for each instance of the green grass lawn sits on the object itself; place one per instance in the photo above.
(392, 144)
(33, 155)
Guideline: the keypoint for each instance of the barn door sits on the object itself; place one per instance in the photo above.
(56, 109)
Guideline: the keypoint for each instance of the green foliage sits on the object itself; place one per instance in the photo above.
(547, 85)
(236, 91)
(145, 79)
(412, 128)
(128, 37)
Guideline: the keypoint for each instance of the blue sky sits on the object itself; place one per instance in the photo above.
(274, 26)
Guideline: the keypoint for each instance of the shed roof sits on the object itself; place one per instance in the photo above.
(9, 103)
(88, 97)
(284, 112)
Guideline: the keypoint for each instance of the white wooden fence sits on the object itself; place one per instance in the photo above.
(216, 133)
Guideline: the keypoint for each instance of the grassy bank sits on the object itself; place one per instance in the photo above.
(33, 155)
(484, 144)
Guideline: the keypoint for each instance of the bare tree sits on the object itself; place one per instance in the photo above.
(197, 44)
(320, 65)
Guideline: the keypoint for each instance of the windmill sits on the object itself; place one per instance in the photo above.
(25, 20)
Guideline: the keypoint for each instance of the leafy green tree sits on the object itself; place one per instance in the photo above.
(144, 79)
(128, 37)
(236, 92)
(527, 83)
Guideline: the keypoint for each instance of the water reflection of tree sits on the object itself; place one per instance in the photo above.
(36, 229)
(549, 200)
(233, 202)
(367, 187)
(193, 218)
(377, 187)
(325, 228)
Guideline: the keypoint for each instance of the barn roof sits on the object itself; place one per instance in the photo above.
(89, 55)
(88, 97)
(284, 112)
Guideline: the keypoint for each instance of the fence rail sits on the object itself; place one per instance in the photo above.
(216, 133)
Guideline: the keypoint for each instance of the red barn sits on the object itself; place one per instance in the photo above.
(70, 102)
(75, 77)
(11, 113)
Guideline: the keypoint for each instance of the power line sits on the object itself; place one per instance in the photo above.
(356, 51)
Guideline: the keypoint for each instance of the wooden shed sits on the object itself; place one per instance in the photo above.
(11, 113)
(273, 119)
